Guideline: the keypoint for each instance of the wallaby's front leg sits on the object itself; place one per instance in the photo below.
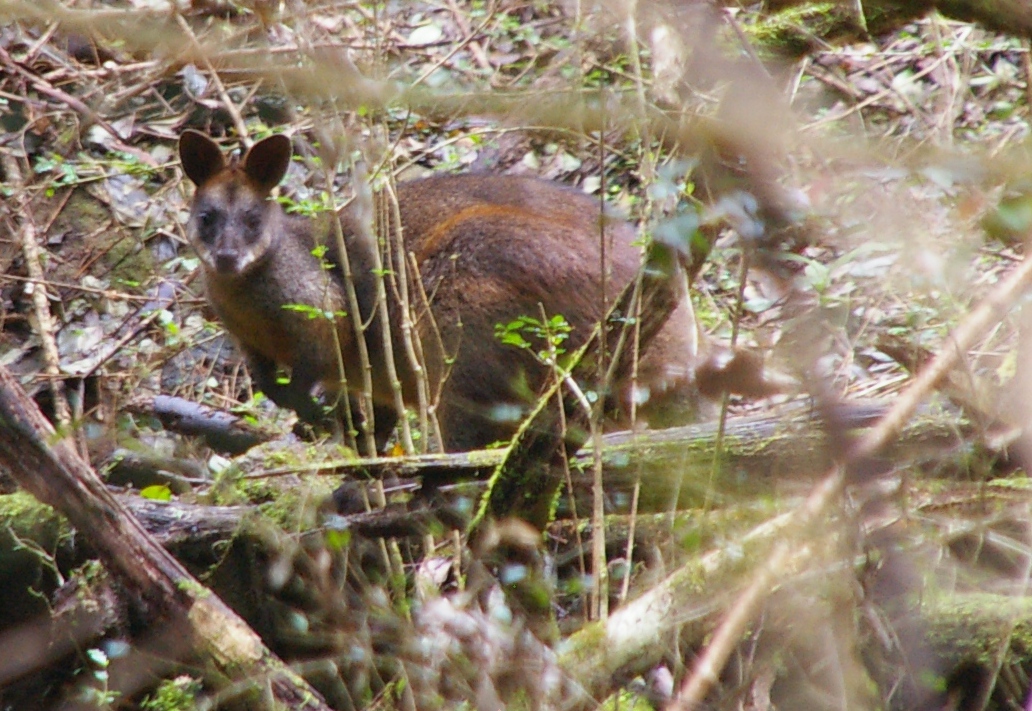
(295, 394)
(385, 419)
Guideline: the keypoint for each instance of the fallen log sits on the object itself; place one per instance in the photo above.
(221, 430)
(156, 585)
(928, 632)
(758, 453)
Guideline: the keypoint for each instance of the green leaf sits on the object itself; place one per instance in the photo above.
(157, 492)
(337, 540)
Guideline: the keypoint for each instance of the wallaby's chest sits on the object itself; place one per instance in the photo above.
(276, 322)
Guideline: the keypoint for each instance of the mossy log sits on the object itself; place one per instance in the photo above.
(908, 631)
(221, 430)
(791, 28)
(156, 586)
(757, 454)
(684, 466)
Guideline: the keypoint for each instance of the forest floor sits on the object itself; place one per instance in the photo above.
(906, 156)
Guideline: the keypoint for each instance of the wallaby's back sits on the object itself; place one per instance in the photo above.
(493, 248)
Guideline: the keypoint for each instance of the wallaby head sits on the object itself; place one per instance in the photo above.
(233, 225)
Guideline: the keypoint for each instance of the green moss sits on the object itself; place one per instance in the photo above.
(130, 262)
(82, 213)
(291, 501)
(584, 646)
(27, 522)
(793, 31)
(179, 694)
(295, 508)
(125, 257)
(1019, 482)
(230, 489)
(90, 578)
(627, 701)
(972, 628)
(33, 539)
(194, 588)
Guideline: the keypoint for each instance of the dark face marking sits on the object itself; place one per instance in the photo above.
(231, 223)
(209, 224)
(252, 219)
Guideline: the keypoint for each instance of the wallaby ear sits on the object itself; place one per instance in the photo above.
(201, 157)
(267, 161)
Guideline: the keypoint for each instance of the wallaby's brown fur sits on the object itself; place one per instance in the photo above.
(489, 249)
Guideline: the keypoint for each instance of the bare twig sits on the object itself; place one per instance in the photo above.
(45, 327)
(470, 39)
(44, 87)
(390, 225)
(234, 112)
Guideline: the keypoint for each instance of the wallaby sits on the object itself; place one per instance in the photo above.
(489, 249)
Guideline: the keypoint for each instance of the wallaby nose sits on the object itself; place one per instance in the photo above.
(226, 262)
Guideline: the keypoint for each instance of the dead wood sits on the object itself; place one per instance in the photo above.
(766, 453)
(221, 430)
(140, 470)
(759, 453)
(961, 628)
(157, 586)
(176, 523)
(808, 24)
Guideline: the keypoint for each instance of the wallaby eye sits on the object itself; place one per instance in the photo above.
(252, 221)
(207, 220)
